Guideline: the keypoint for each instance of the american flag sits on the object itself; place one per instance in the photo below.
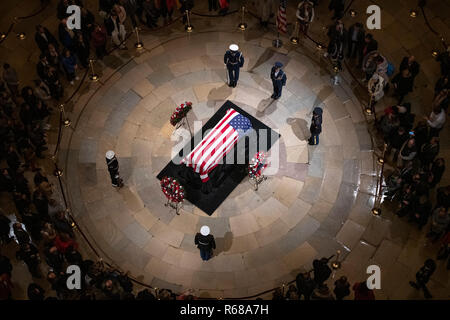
(217, 143)
(281, 18)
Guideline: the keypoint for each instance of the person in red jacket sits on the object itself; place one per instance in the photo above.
(362, 292)
(63, 242)
(99, 37)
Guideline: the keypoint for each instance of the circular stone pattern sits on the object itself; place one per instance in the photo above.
(318, 202)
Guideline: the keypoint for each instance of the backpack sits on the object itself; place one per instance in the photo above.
(390, 69)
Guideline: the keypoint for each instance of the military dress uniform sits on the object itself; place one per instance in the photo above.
(113, 169)
(316, 126)
(205, 243)
(278, 80)
(234, 60)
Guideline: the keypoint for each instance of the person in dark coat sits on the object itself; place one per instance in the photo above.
(420, 212)
(428, 152)
(30, 255)
(423, 276)
(87, 24)
(54, 259)
(21, 235)
(65, 35)
(82, 49)
(411, 64)
(437, 170)
(338, 7)
(278, 80)
(12, 159)
(205, 242)
(43, 38)
(4, 228)
(234, 61)
(321, 271)
(316, 126)
(341, 288)
(113, 169)
(370, 44)
(336, 46)
(403, 84)
(355, 40)
(35, 292)
(305, 285)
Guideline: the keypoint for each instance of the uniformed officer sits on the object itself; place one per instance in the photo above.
(113, 168)
(278, 80)
(234, 60)
(316, 126)
(205, 242)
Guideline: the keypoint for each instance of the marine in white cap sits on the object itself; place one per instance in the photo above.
(233, 60)
(113, 169)
(205, 242)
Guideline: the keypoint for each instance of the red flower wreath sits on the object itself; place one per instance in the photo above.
(257, 165)
(180, 112)
(172, 189)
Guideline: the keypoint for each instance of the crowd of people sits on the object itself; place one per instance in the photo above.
(43, 233)
(314, 287)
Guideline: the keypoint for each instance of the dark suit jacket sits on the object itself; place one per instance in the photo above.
(42, 43)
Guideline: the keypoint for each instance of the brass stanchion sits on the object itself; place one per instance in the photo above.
(138, 44)
(294, 38)
(376, 211)
(336, 264)
(242, 26)
(188, 27)
(336, 75)
(93, 76)
(67, 122)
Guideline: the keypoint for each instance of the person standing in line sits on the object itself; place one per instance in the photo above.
(316, 126)
(338, 7)
(362, 292)
(266, 7)
(423, 276)
(205, 242)
(11, 79)
(305, 15)
(341, 288)
(99, 37)
(355, 41)
(116, 29)
(436, 121)
(278, 80)
(113, 169)
(376, 90)
(234, 61)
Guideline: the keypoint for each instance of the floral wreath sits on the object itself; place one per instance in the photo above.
(257, 165)
(172, 189)
(180, 112)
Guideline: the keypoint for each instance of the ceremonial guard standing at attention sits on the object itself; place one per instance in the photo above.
(278, 80)
(234, 60)
(113, 168)
(316, 126)
(205, 242)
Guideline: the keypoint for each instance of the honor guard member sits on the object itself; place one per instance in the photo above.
(234, 60)
(205, 242)
(278, 80)
(113, 168)
(316, 126)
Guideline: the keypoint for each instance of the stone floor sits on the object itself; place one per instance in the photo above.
(317, 202)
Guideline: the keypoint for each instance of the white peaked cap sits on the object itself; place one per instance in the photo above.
(204, 230)
(110, 154)
(234, 47)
